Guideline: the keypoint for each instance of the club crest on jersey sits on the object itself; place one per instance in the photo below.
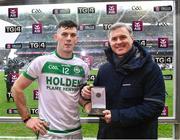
(77, 69)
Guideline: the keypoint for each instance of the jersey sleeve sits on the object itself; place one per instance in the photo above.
(34, 69)
(86, 69)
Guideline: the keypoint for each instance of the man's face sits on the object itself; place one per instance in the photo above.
(66, 38)
(120, 41)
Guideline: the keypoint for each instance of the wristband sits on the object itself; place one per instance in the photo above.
(28, 118)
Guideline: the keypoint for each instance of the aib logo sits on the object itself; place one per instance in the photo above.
(35, 94)
(111, 9)
(137, 25)
(163, 42)
(37, 28)
(12, 12)
(157, 8)
(106, 43)
(81, 27)
(165, 111)
(8, 46)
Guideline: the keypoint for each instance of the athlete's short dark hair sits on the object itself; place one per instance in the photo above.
(67, 24)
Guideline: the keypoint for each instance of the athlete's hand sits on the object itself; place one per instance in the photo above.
(107, 116)
(37, 125)
(86, 92)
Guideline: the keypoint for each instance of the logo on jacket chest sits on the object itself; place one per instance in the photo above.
(126, 84)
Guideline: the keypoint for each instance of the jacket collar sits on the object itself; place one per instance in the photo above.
(131, 61)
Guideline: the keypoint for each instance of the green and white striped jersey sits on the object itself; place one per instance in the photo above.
(59, 81)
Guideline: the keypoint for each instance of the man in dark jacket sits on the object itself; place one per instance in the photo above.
(135, 90)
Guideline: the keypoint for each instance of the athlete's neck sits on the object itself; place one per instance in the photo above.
(65, 54)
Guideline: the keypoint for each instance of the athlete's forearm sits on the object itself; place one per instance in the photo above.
(83, 101)
(86, 104)
(20, 101)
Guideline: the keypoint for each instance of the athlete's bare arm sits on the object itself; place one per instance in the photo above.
(18, 92)
(35, 124)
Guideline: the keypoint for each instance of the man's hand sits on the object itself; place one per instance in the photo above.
(107, 116)
(86, 92)
(37, 125)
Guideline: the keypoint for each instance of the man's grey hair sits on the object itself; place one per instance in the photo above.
(119, 25)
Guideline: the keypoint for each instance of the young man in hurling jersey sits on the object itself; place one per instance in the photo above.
(60, 76)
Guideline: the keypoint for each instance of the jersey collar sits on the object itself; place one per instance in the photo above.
(62, 57)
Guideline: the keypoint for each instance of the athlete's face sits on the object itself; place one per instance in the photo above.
(120, 41)
(67, 39)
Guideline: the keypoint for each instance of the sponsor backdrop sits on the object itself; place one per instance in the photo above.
(27, 32)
